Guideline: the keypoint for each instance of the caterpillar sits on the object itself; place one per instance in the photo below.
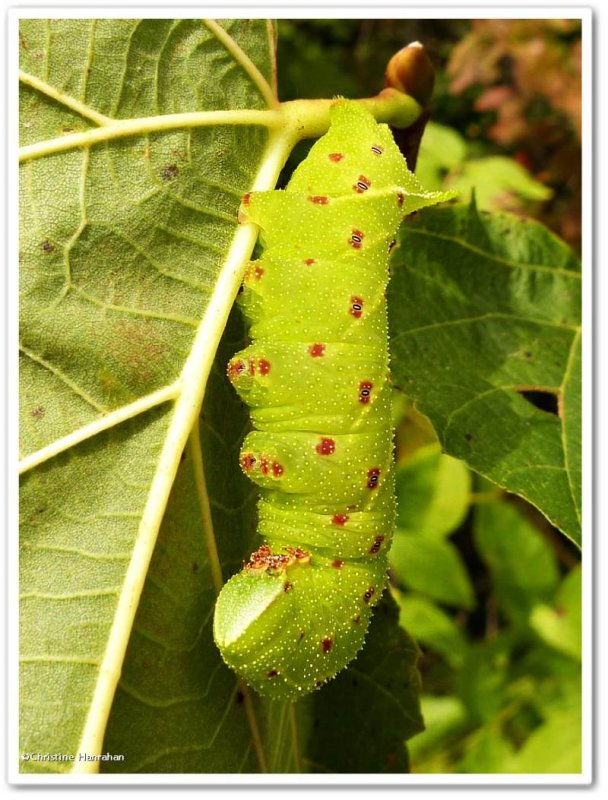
(316, 376)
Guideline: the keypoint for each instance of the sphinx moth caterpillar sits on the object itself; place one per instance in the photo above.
(316, 377)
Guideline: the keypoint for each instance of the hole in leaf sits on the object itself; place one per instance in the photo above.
(544, 401)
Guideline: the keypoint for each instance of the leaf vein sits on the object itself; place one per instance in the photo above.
(136, 312)
(482, 318)
(465, 245)
(70, 596)
(64, 378)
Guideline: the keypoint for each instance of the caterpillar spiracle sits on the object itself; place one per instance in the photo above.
(316, 376)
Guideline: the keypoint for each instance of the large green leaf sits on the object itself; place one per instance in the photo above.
(122, 243)
(484, 309)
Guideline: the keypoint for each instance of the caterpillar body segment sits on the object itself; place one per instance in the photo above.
(316, 377)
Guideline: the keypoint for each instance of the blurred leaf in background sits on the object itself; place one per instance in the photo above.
(498, 182)
(501, 674)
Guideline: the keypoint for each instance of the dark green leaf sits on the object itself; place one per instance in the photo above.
(121, 246)
(484, 309)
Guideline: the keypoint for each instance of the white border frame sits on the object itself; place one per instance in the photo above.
(342, 10)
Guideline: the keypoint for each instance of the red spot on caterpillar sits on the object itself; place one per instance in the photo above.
(340, 519)
(253, 272)
(376, 545)
(372, 478)
(260, 554)
(365, 392)
(377, 149)
(369, 594)
(327, 643)
(400, 199)
(264, 560)
(316, 350)
(273, 673)
(264, 468)
(335, 157)
(264, 366)
(362, 184)
(309, 262)
(247, 461)
(356, 239)
(356, 308)
(326, 447)
(277, 469)
(246, 199)
(299, 554)
(337, 563)
(236, 368)
(319, 200)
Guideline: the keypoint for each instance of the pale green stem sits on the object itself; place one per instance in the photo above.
(241, 58)
(109, 420)
(196, 453)
(300, 119)
(120, 129)
(64, 99)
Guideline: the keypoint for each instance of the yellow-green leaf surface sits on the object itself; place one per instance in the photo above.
(131, 176)
(485, 311)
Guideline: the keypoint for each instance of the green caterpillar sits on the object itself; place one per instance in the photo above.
(316, 377)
